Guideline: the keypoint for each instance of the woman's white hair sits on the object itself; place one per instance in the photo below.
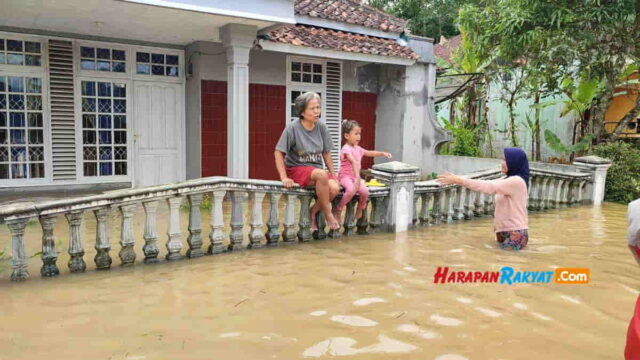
(300, 105)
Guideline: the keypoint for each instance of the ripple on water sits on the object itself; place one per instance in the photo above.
(541, 316)
(570, 299)
(488, 312)
(415, 329)
(520, 306)
(464, 300)
(367, 301)
(353, 320)
(409, 268)
(446, 321)
(231, 334)
(318, 313)
(451, 357)
(342, 346)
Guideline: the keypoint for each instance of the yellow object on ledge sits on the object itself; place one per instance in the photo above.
(374, 182)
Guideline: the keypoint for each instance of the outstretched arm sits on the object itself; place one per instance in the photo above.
(373, 153)
(506, 186)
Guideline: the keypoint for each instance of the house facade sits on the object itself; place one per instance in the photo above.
(108, 94)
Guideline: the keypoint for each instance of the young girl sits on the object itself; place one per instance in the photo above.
(350, 162)
(510, 218)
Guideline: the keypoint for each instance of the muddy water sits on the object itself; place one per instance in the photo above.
(357, 298)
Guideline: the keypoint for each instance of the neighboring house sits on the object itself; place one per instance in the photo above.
(107, 93)
(623, 101)
(498, 112)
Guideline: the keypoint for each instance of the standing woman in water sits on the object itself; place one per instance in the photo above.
(510, 217)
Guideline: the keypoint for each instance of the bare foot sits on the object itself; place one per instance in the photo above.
(314, 213)
(359, 213)
(337, 214)
(333, 223)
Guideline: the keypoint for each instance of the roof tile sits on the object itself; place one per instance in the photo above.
(351, 12)
(320, 38)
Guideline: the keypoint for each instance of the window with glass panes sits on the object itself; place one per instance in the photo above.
(306, 73)
(104, 128)
(156, 64)
(19, 52)
(21, 128)
(102, 59)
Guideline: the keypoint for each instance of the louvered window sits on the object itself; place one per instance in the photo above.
(61, 89)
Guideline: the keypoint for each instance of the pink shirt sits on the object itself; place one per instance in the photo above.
(511, 201)
(346, 170)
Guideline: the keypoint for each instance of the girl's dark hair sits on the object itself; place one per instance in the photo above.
(348, 125)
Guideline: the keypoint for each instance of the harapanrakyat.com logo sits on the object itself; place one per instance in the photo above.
(508, 275)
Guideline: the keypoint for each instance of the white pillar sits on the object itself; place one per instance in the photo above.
(597, 167)
(238, 39)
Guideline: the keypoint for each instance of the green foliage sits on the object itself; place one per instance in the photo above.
(623, 177)
(464, 140)
(431, 18)
(554, 143)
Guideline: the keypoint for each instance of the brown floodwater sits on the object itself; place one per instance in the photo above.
(363, 297)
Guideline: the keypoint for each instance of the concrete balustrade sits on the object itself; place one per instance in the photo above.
(401, 204)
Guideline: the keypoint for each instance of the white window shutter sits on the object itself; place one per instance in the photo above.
(333, 107)
(62, 110)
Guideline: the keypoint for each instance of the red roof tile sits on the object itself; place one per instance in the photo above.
(351, 12)
(320, 38)
(446, 47)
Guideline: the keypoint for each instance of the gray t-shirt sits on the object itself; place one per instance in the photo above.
(304, 147)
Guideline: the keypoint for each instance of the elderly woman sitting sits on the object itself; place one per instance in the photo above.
(303, 145)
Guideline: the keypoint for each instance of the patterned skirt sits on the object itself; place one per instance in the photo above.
(513, 240)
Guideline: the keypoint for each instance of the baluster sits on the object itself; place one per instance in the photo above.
(363, 222)
(376, 210)
(458, 207)
(564, 201)
(478, 204)
(102, 259)
(322, 224)
(174, 245)
(127, 254)
(424, 209)
(76, 251)
(150, 248)
(435, 213)
(538, 194)
(448, 200)
(255, 233)
(273, 222)
(531, 193)
(555, 195)
(216, 236)
(468, 204)
(19, 260)
(488, 198)
(414, 209)
(350, 219)
(335, 233)
(289, 232)
(546, 192)
(573, 192)
(236, 237)
(304, 220)
(49, 255)
(580, 190)
(195, 228)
